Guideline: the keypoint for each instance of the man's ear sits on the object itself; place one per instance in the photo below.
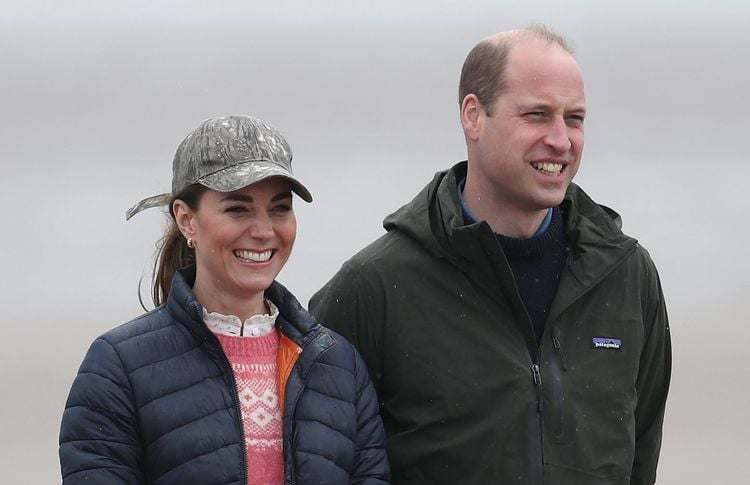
(471, 114)
(184, 218)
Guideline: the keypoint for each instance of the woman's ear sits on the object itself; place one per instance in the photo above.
(184, 217)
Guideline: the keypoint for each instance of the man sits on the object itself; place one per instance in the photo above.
(513, 332)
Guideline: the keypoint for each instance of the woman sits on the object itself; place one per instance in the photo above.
(229, 379)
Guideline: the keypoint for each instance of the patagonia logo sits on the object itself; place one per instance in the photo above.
(606, 343)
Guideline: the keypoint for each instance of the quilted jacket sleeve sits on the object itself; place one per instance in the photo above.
(653, 382)
(371, 463)
(99, 440)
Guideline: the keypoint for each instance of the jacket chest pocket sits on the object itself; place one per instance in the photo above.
(592, 368)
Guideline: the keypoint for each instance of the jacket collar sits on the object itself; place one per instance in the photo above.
(293, 321)
(434, 219)
(597, 246)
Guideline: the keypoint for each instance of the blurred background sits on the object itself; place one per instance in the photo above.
(96, 95)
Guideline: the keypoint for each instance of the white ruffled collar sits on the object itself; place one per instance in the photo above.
(255, 326)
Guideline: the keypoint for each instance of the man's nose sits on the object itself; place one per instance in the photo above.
(557, 135)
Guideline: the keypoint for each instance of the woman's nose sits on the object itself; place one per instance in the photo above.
(261, 227)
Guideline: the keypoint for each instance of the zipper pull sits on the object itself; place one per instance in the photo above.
(538, 383)
(558, 348)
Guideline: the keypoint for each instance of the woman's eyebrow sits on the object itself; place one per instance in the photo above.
(281, 196)
(237, 198)
(246, 198)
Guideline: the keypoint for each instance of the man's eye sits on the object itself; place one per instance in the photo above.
(575, 119)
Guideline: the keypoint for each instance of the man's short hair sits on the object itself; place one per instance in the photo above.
(483, 72)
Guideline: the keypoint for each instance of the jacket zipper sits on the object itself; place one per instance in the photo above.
(538, 383)
(556, 391)
(558, 347)
(537, 377)
(558, 360)
(238, 411)
(558, 412)
(290, 480)
(217, 354)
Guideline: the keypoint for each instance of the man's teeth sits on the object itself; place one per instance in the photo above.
(249, 256)
(548, 167)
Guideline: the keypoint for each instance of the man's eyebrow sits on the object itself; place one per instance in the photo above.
(580, 109)
(536, 106)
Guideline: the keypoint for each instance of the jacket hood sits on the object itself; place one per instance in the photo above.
(433, 214)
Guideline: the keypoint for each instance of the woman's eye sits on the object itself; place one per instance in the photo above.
(281, 208)
(236, 209)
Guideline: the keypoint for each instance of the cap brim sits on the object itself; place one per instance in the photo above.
(241, 175)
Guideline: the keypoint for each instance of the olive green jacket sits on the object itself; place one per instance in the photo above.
(467, 395)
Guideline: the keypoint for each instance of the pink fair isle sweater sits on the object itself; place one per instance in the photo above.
(253, 360)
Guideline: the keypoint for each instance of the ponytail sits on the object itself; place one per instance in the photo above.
(172, 252)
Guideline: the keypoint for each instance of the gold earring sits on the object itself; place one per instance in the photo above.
(190, 243)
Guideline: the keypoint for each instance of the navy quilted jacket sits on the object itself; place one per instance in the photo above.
(154, 402)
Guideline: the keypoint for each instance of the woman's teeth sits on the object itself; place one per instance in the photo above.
(252, 256)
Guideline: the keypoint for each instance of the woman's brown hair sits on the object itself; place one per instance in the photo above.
(172, 251)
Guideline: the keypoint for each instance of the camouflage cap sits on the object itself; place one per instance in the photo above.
(226, 154)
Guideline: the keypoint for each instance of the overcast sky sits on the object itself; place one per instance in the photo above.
(96, 95)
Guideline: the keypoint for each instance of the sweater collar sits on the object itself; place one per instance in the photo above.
(471, 219)
(231, 325)
(293, 320)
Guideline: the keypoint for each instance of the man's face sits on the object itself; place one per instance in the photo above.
(525, 155)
